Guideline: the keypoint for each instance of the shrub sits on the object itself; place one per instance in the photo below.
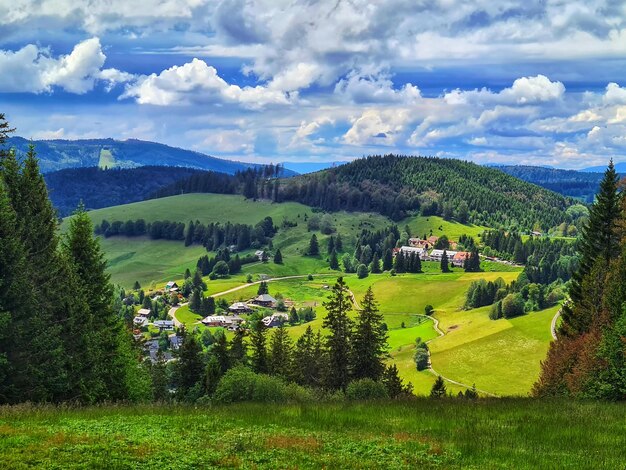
(512, 305)
(421, 359)
(428, 310)
(366, 389)
(361, 271)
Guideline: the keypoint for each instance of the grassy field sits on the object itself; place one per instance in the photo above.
(435, 225)
(506, 433)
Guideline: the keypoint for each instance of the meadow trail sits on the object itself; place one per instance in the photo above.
(172, 313)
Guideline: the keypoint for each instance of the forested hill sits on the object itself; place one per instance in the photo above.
(395, 185)
(99, 188)
(571, 183)
(59, 154)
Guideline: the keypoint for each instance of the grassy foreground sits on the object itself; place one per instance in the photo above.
(505, 433)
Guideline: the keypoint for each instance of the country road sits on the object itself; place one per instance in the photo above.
(553, 324)
(172, 313)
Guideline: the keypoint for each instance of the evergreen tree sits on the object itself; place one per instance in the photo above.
(338, 244)
(220, 351)
(293, 316)
(189, 235)
(136, 286)
(361, 271)
(400, 265)
(331, 245)
(599, 244)
(212, 375)
(393, 383)
(334, 262)
(369, 340)
(388, 260)
(238, 348)
(187, 274)
(189, 368)
(259, 350)
(314, 249)
(308, 360)
(278, 257)
(444, 262)
(438, 389)
(158, 375)
(280, 354)
(263, 289)
(375, 264)
(195, 302)
(338, 341)
(198, 283)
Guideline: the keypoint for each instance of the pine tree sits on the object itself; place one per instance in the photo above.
(314, 248)
(187, 274)
(375, 264)
(438, 389)
(212, 375)
(400, 264)
(158, 375)
(331, 245)
(278, 257)
(263, 289)
(189, 368)
(599, 244)
(280, 354)
(238, 348)
(220, 351)
(259, 349)
(393, 383)
(334, 262)
(444, 263)
(136, 286)
(189, 234)
(293, 316)
(338, 341)
(388, 260)
(308, 360)
(338, 244)
(369, 340)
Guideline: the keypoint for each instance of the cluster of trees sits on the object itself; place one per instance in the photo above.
(546, 259)
(61, 339)
(395, 185)
(157, 230)
(482, 293)
(223, 264)
(587, 360)
(353, 351)
(212, 236)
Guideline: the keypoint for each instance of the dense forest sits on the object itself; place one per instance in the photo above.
(581, 185)
(588, 360)
(98, 188)
(396, 186)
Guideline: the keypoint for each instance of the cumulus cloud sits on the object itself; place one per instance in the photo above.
(614, 94)
(375, 89)
(35, 70)
(198, 82)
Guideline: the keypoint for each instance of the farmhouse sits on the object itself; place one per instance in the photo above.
(164, 324)
(265, 300)
(259, 254)
(240, 307)
(409, 250)
(275, 320)
(418, 243)
(459, 258)
(171, 287)
(432, 239)
(229, 322)
(436, 255)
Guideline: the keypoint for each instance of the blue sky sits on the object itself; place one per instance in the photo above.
(533, 82)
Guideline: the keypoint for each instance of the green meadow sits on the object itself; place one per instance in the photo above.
(420, 433)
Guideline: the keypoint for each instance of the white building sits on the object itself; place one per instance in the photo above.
(436, 255)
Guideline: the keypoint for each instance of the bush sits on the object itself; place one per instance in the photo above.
(428, 310)
(366, 389)
(361, 271)
(421, 359)
(241, 384)
(512, 306)
(496, 311)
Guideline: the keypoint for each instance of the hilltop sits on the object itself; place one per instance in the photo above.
(110, 153)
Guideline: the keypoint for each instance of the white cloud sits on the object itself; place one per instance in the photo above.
(35, 70)
(614, 94)
(197, 82)
(377, 127)
(375, 89)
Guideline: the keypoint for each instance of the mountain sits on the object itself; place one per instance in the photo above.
(98, 188)
(619, 167)
(107, 153)
(578, 184)
(397, 185)
(309, 167)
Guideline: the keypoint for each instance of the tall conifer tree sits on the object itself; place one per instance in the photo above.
(338, 341)
(369, 340)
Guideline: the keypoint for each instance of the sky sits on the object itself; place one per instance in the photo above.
(504, 82)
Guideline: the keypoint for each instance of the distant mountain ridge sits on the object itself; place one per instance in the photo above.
(579, 184)
(110, 153)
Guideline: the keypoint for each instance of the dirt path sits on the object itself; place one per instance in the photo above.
(553, 324)
(172, 313)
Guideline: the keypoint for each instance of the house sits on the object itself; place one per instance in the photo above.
(171, 287)
(140, 321)
(432, 239)
(436, 255)
(275, 320)
(240, 307)
(410, 250)
(230, 322)
(459, 258)
(164, 324)
(143, 312)
(175, 341)
(259, 254)
(265, 300)
(418, 243)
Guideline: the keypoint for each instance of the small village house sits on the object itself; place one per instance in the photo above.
(175, 341)
(239, 307)
(171, 287)
(259, 254)
(459, 258)
(164, 324)
(410, 250)
(265, 300)
(275, 320)
(436, 255)
(143, 312)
